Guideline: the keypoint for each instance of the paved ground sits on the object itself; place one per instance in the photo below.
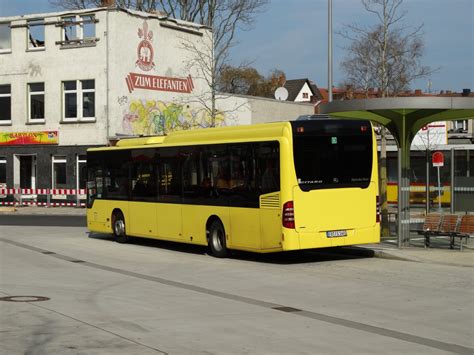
(438, 253)
(157, 297)
(51, 211)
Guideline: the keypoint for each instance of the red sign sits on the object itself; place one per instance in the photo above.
(145, 54)
(159, 83)
(145, 49)
(438, 159)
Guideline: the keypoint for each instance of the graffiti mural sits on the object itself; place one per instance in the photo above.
(153, 117)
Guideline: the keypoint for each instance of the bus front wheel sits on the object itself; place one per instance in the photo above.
(216, 239)
(118, 227)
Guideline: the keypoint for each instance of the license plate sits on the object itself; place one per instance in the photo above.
(336, 234)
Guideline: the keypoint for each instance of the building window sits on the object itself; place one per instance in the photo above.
(5, 37)
(36, 102)
(305, 95)
(81, 172)
(3, 172)
(79, 100)
(88, 27)
(5, 104)
(460, 126)
(35, 34)
(79, 30)
(59, 172)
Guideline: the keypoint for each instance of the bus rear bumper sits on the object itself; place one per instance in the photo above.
(293, 240)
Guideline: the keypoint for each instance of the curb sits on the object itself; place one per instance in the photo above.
(7, 209)
(384, 255)
(377, 253)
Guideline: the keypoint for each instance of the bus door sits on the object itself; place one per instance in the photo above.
(255, 185)
(169, 208)
(143, 193)
(268, 177)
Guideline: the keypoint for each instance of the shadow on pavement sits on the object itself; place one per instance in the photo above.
(43, 220)
(283, 258)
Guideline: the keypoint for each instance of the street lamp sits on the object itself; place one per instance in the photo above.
(330, 49)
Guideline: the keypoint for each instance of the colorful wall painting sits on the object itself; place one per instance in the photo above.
(153, 117)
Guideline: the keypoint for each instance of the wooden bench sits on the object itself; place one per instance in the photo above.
(430, 227)
(449, 225)
(466, 227)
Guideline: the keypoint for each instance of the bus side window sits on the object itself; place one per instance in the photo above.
(143, 175)
(222, 177)
(94, 190)
(170, 185)
(218, 168)
(269, 167)
(191, 172)
(115, 176)
(243, 191)
(144, 184)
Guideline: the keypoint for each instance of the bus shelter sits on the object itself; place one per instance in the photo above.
(404, 117)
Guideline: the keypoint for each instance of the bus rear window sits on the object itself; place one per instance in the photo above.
(332, 153)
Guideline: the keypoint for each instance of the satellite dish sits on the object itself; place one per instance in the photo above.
(281, 94)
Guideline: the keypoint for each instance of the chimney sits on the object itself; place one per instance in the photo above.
(466, 92)
(108, 3)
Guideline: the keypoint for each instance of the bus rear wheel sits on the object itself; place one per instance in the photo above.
(216, 239)
(118, 227)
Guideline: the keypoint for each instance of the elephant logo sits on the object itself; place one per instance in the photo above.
(145, 49)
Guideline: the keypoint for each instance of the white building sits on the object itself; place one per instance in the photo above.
(303, 90)
(73, 80)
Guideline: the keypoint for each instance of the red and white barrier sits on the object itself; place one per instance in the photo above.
(43, 191)
(49, 194)
(51, 204)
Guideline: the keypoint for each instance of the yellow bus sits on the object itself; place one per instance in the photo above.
(261, 188)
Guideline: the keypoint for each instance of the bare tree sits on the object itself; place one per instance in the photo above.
(140, 5)
(224, 17)
(202, 60)
(386, 55)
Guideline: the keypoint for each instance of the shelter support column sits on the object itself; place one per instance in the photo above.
(403, 197)
(403, 183)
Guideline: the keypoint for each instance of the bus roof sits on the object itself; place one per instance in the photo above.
(207, 135)
(131, 142)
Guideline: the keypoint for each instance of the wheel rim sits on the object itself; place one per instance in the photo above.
(119, 227)
(217, 239)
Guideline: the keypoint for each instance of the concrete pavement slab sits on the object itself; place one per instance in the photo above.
(40, 210)
(191, 302)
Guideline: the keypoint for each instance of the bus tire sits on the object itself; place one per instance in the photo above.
(118, 227)
(217, 239)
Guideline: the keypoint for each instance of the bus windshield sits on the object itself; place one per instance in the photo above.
(332, 153)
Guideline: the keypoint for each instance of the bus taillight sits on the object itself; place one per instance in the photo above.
(377, 216)
(288, 215)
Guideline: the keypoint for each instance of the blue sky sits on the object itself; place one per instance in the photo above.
(291, 35)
